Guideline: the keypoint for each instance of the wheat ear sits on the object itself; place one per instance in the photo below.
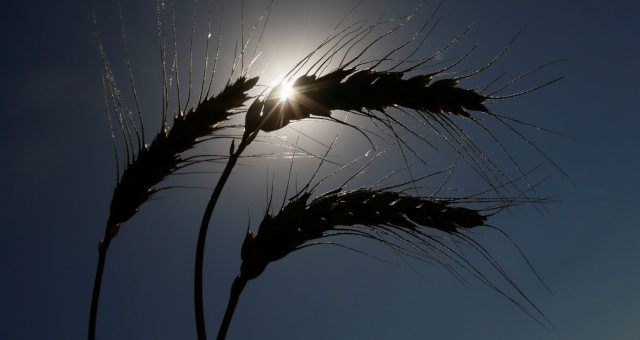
(400, 221)
(364, 91)
(158, 160)
(161, 158)
(148, 165)
(301, 221)
(151, 164)
(373, 93)
(427, 100)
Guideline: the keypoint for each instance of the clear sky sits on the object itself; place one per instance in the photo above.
(58, 176)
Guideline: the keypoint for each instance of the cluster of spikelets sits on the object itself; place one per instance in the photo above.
(161, 158)
(401, 221)
(398, 220)
(363, 91)
(301, 221)
(426, 229)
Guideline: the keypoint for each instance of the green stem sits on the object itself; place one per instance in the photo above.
(236, 290)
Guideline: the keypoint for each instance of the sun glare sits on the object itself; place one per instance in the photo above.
(287, 91)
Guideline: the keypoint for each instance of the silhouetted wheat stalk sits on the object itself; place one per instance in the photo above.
(148, 165)
(398, 220)
(387, 95)
(155, 162)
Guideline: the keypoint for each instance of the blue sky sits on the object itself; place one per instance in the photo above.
(59, 175)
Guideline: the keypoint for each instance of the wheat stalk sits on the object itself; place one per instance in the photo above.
(162, 157)
(389, 95)
(148, 165)
(155, 162)
(372, 93)
(413, 226)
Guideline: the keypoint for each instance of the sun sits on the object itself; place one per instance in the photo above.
(286, 92)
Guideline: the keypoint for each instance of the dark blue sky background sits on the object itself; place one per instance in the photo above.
(58, 176)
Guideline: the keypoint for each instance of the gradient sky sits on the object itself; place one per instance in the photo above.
(59, 175)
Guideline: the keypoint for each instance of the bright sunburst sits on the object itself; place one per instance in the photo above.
(287, 91)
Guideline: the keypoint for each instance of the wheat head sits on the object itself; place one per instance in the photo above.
(422, 228)
(162, 157)
(363, 91)
(301, 221)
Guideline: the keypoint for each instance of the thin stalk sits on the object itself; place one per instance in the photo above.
(102, 249)
(236, 290)
(204, 226)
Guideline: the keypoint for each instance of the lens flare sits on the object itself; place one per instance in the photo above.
(287, 91)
